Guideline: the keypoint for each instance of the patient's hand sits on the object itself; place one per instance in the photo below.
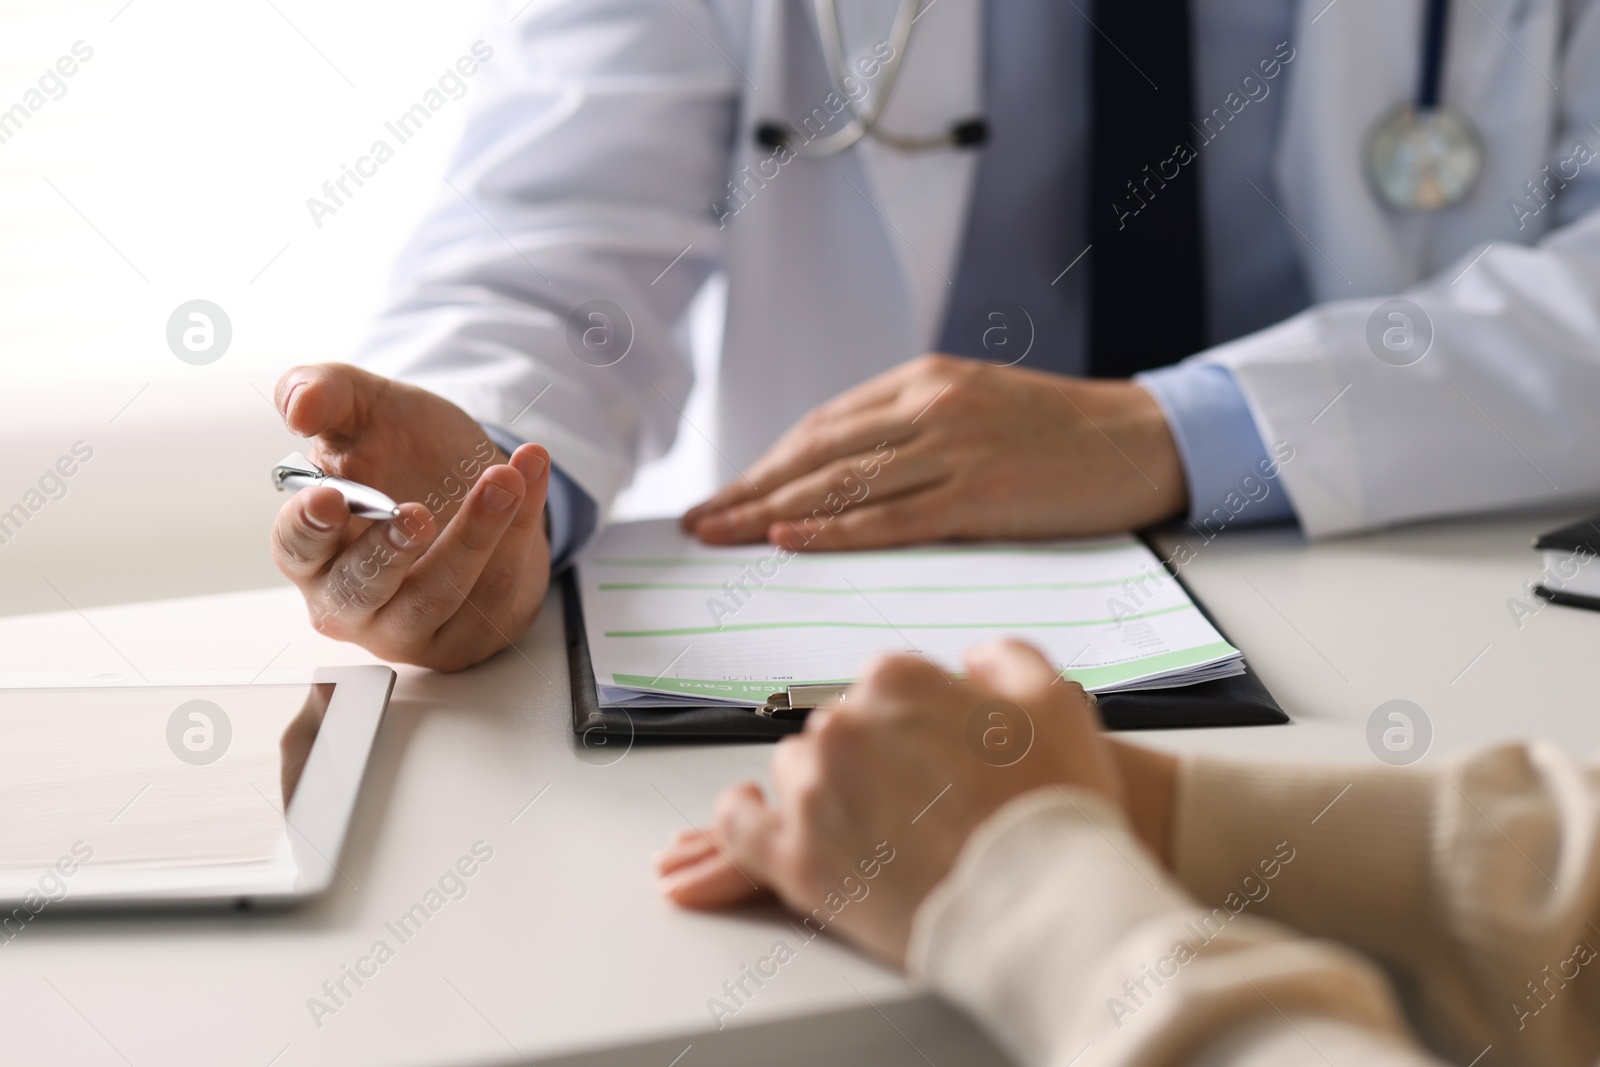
(462, 572)
(946, 448)
(897, 770)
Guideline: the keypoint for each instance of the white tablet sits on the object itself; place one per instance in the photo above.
(179, 787)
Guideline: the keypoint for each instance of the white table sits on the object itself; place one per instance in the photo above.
(561, 950)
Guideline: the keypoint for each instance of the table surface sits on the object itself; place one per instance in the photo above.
(561, 949)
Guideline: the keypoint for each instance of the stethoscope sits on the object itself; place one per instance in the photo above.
(1426, 155)
(864, 121)
(1423, 156)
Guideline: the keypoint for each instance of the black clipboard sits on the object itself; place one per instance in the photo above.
(1239, 701)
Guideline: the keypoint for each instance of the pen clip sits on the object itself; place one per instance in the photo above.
(295, 464)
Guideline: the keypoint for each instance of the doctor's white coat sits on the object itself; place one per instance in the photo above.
(611, 157)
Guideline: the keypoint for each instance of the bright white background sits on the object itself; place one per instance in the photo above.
(177, 166)
(191, 141)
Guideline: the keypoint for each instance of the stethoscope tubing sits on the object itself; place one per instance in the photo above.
(1434, 34)
(865, 121)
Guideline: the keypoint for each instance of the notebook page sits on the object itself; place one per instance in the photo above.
(665, 614)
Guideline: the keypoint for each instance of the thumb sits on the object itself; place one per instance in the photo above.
(327, 398)
(747, 827)
(1014, 669)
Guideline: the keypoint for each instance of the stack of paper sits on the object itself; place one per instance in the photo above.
(672, 622)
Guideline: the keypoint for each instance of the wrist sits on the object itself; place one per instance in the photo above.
(1155, 449)
(1149, 788)
(1146, 479)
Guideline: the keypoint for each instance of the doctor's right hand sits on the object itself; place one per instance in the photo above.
(461, 573)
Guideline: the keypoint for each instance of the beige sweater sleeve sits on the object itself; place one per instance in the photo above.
(1063, 936)
(1476, 885)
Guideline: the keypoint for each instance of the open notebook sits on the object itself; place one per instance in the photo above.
(670, 621)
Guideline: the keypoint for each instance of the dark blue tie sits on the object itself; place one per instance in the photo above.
(1147, 299)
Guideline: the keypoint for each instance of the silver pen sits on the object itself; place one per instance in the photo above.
(294, 472)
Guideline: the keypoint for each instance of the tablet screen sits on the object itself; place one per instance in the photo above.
(144, 778)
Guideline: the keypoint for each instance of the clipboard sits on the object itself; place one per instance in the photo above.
(1242, 700)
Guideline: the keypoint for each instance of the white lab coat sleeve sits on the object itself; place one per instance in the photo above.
(1503, 410)
(599, 137)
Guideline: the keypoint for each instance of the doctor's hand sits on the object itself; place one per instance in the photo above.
(874, 800)
(949, 448)
(463, 570)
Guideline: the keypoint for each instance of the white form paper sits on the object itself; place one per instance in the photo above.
(667, 615)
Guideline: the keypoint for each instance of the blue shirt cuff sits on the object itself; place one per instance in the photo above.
(1233, 481)
(573, 513)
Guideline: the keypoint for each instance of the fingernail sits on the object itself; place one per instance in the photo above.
(288, 399)
(780, 536)
(397, 537)
(412, 524)
(530, 465)
(314, 522)
(498, 499)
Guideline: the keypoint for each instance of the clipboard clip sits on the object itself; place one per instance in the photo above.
(796, 701)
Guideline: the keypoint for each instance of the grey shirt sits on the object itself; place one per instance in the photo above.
(1028, 220)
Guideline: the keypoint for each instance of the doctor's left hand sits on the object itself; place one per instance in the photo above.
(944, 448)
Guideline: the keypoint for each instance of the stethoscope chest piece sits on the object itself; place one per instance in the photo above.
(1424, 154)
(1424, 159)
